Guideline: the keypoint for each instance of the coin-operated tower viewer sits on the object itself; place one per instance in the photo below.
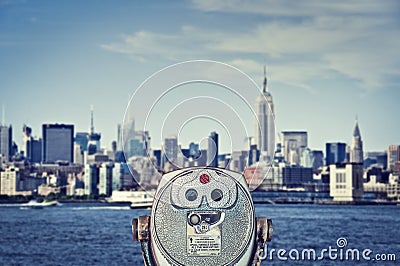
(202, 216)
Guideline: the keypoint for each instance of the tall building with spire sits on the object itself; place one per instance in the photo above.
(265, 124)
(5, 139)
(94, 138)
(356, 154)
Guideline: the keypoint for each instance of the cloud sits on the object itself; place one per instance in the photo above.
(289, 8)
(187, 43)
(301, 41)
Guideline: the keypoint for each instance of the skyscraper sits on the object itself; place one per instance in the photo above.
(5, 142)
(34, 150)
(393, 156)
(94, 138)
(170, 150)
(265, 124)
(212, 150)
(58, 143)
(356, 154)
(293, 145)
(27, 136)
(335, 152)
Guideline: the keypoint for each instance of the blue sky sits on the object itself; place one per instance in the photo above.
(327, 61)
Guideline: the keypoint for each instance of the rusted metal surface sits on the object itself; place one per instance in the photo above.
(143, 228)
(263, 235)
(135, 229)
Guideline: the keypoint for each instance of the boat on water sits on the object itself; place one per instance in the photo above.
(33, 204)
(138, 199)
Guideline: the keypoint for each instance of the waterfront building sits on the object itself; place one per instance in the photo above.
(116, 176)
(58, 143)
(238, 161)
(34, 150)
(106, 178)
(157, 154)
(393, 156)
(9, 181)
(6, 142)
(170, 151)
(271, 176)
(31, 147)
(194, 150)
(224, 160)
(265, 124)
(356, 154)
(393, 188)
(6, 150)
(378, 189)
(26, 136)
(307, 158)
(335, 153)
(94, 138)
(78, 154)
(293, 145)
(318, 159)
(143, 170)
(91, 179)
(296, 176)
(119, 138)
(346, 181)
(138, 144)
(82, 139)
(212, 151)
(254, 155)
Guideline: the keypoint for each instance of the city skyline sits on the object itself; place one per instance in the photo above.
(60, 58)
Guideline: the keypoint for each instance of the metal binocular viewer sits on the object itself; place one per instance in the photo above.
(202, 216)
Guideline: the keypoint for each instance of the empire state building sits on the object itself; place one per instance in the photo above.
(265, 124)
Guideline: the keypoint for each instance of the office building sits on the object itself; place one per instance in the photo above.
(31, 147)
(138, 144)
(265, 124)
(34, 150)
(9, 181)
(26, 136)
(82, 139)
(91, 179)
(346, 181)
(318, 159)
(58, 143)
(335, 153)
(94, 138)
(393, 156)
(78, 154)
(6, 147)
(254, 155)
(116, 176)
(212, 151)
(307, 158)
(170, 150)
(293, 145)
(296, 177)
(194, 150)
(106, 179)
(356, 153)
(238, 161)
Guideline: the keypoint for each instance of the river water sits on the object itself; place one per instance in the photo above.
(99, 234)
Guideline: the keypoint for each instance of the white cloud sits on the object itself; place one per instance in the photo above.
(291, 8)
(302, 41)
